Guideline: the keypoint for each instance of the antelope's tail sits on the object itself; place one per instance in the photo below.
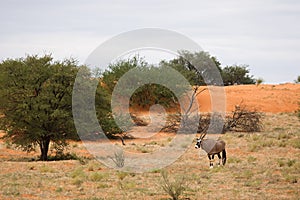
(224, 157)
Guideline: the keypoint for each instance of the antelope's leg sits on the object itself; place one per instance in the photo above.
(211, 161)
(219, 156)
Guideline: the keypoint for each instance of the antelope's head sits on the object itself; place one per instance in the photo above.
(198, 144)
(199, 141)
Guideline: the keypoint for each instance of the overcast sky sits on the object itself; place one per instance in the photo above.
(263, 34)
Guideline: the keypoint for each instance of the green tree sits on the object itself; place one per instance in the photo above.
(147, 94)
(36, 101)
(237, 75)
(199, 68)
(297, 80)
(259, 81)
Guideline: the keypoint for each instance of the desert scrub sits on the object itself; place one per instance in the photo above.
(93, 165)
(46, 169)
(121, 175)
(296, 143)
(173, 187)
(78, 173)
(119, 158)
(234, 160)
(97, 176)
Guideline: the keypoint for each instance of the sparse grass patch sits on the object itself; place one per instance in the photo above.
(254, 147)
(11, 191)
(77, 181)
(278, 129)
(291, 178)
(296, 143)
(121, 175)
(285, 162)
(174, 187)
(143, 150)
(253, 183)
(251, 159)
(267, 143)
(281, 162)
(93, 165)
(283, 135)
(234, 160)
(46, 169)
(247, 174)
(128, 185)
(103, 185)
(78, 173)
(155, 171)
(152, 143)
(290, 163)
(97, 176)
(59, 189)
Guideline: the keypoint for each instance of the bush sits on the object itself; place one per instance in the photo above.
(119, 159)
(174, 187)
(259, 81)
(240, 120)
(244, 120)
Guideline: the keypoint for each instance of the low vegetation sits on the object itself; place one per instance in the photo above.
(261, 165)
(173, 187)
(36, 101)
(241, 119)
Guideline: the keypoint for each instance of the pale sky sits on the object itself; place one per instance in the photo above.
(262, 34)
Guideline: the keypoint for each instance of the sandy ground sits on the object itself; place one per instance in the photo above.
(263, 98)
(260, 165)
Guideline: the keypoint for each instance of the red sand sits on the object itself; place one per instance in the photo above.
(263, 98)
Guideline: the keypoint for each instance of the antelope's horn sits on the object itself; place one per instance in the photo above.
(203, 135)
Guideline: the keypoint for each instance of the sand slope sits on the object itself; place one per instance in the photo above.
(263, 98)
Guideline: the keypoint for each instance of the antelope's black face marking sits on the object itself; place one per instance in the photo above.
(198, 144)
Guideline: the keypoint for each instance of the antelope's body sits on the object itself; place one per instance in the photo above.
(212, 148)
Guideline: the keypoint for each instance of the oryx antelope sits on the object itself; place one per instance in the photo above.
(212, 148)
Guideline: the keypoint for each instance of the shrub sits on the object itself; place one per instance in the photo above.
(119, 158)
(259, 81)
(174, 187)
(96, 176)
(242, 119)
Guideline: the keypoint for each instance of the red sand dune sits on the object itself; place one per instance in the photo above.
(263, 98)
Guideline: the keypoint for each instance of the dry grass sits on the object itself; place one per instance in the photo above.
(261, 165)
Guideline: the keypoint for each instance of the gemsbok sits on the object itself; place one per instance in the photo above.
(212, 148)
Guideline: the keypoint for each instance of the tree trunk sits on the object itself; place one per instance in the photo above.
(44, 146)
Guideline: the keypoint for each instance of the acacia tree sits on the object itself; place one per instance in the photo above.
(297, 80)
(35, 99)
(199, 68)
(237, 75)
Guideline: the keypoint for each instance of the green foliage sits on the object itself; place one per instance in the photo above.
(199, 68)
(259, 81)
(237, 75)
(35, 95)
(297, 80)
(138, 83)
